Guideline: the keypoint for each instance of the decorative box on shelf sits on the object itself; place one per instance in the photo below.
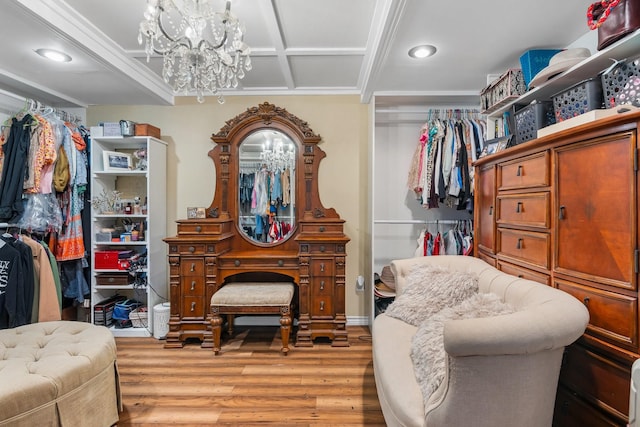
(535, 60)
(145, 129)
(501, 91)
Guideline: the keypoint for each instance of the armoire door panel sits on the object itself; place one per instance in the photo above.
(596, 188)
(485, 214)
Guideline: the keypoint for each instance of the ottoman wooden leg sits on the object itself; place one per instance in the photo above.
(285, 328)
(216, 329)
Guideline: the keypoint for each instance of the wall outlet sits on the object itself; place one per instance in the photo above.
(360, 284)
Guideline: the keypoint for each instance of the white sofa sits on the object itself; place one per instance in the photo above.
(501, 371)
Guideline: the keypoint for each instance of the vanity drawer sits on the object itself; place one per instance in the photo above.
(531, 209)
(612, 317)
(527, 172)
(202, 227)
(525, 273)
(192, 286)
(598, 378)
(331, 228)
(192, 267)
(322, 287)
(321, 307)
(193, 308)
(322, 267)
(321, 248)
(528, 246)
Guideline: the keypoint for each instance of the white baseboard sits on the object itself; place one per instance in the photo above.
(275, 321)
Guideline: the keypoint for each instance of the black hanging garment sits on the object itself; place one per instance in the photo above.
(16, 151)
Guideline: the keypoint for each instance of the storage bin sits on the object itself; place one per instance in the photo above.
(113, 279)
(145, 129)
(139, 317)
(531, 118)
(103, 237)
(578, 99)
(507, 87)
(535, 60)
(106, 260)
(621, 84)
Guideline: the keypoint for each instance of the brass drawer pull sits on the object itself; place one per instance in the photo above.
(193, 285)
(193, 267)
(322, 285)
(193, 306)
(322, 267)
(321, 305)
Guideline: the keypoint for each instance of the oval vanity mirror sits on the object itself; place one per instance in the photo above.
(266, 193)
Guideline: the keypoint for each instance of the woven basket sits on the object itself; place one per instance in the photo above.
(139, 317)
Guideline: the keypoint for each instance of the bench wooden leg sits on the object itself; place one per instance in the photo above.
(216, 329)
(285, 328)
(230, 318)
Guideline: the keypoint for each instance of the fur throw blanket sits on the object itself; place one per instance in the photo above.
(427, 346)
(429, 290)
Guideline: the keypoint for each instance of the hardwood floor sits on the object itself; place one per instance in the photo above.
(250, 383)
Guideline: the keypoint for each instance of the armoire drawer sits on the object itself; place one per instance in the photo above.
(528, 246)
(571, 411)
(598, 379)
(524, 273)
(530, 209)
(526, 172)
(612, 317)
(192, 286)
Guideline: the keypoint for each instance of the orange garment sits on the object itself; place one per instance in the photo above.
(45, 154)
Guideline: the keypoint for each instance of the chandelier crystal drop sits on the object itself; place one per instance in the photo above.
(203, 51)
(278, 156)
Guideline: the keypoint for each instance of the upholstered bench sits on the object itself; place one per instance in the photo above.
(60, 373)
(252, 298)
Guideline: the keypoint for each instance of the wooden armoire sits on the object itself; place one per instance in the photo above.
(563, 210)
(225, 246)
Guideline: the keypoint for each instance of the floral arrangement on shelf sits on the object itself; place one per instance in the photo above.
(106, 202)
(141, 155)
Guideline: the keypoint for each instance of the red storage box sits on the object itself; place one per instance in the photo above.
(106, 260)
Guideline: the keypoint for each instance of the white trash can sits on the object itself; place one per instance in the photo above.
(161, 313)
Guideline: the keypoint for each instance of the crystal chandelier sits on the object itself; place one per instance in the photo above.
(279, 157)
(202, 50)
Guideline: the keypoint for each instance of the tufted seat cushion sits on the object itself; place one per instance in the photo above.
(58, 373)
(249, 293)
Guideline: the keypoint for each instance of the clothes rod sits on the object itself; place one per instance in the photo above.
(417, 221)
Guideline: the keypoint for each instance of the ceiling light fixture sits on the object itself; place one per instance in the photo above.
(422, 51)
(54, 55)
(202, 50)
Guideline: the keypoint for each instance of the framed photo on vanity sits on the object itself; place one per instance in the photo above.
(115, 161)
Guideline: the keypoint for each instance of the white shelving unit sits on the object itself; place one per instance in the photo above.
(149, 185)
(626, 48)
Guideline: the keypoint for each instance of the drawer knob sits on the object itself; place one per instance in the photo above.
(192, 249)
(111, 279)
(519, 171)
(490, 210)
(237, 263)
(193, 306)
(321, 229)
(519, 207)
(519, 244)
(280, 263)
(193, 267)
(322, 285)
(198, 228)
(586, 301)
(322, 267)
(321, 305)
(193, 285)
(322, 248)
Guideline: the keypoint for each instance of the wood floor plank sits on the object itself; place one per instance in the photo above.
(249, 384)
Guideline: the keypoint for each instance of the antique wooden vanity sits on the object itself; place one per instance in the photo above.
(276, 230)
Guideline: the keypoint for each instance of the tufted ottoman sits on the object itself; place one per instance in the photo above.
(60, 373)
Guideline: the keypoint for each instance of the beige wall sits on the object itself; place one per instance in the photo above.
(341, 121)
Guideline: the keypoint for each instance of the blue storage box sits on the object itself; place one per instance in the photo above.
(535, 60)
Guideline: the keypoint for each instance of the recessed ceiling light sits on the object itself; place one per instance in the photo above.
(54, 55)
(422, 51)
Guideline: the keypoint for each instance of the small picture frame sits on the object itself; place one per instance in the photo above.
(116, 161)
(196, 213)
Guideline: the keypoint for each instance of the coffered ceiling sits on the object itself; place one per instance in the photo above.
(298, 47)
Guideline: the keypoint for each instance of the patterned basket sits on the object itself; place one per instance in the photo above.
(508, 86)
(578, 99)
(139, 317)
(621, 84)
(531, 118)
